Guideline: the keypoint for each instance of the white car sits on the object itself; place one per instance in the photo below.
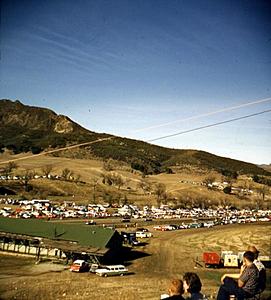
(112, 271)
(208, 224)
(142, 234)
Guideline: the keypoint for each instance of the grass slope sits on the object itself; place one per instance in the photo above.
(24, 128)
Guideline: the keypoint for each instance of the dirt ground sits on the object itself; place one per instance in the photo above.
(167, 255)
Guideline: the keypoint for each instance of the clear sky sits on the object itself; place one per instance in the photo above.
(120, 66)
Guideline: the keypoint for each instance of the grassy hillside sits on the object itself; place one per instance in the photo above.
(25, 128)
(182, 188)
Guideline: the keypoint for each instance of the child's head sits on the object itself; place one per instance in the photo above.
(176, 287)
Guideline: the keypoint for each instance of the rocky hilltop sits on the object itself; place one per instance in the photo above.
(26, 128)
(16, 114)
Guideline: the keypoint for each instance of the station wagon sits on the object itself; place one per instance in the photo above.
(112, 270)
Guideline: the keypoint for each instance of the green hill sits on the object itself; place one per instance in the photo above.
(26, 128)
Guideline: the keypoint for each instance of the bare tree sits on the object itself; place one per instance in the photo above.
(145, 186)
(113, 179)
(258, 202)
(230, 180)
(148, 187)
(8, 169)
(159, 190)
(118, 180)
(202, 201)
(181, 201)
(109, 165)
(46, 170)
(66, 174)
(125, 200)
(106, 178)
(103, 175)
(209, 180)
(94, 183)
(225, 202)
(263, 190)
(165, 197)
(12, 165)
(25, 179)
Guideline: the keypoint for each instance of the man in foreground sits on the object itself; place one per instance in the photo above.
(260, 267)
(242, 285)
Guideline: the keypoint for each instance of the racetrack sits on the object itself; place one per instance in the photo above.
(170, 255)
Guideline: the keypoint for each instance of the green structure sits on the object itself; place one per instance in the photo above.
(39, 237)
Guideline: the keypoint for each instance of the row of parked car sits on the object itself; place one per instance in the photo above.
(184, 226)
(81, 265)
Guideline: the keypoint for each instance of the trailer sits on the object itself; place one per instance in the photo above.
(211, 259)
(231, 260)
(228, 259)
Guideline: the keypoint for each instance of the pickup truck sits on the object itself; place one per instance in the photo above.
(112, 270)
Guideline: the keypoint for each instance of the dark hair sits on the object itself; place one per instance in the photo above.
(250, 256)
(193, 281)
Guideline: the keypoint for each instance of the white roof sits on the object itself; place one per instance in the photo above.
(116, 266)
(78, 261)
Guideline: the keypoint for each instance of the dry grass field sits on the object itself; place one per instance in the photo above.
(183, 184)
(170, 254)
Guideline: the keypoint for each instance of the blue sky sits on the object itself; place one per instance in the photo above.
(119, 66)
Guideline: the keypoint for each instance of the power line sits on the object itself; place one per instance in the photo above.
(210, 125)
(151, 140)
(205, 114)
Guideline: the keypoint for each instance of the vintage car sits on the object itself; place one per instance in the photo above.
(113, 270)
(93, 267)
(79, 265)
(161, 227)
(143, 234)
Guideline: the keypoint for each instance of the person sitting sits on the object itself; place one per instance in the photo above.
(242, 285)
(192, 285)
(261, 268)
(175, 290)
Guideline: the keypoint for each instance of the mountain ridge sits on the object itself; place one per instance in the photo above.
(28, 128)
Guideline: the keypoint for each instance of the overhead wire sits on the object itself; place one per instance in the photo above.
(209, 125)
(161, 137)
(205, 114)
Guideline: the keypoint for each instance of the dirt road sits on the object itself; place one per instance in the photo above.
(167, 255)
